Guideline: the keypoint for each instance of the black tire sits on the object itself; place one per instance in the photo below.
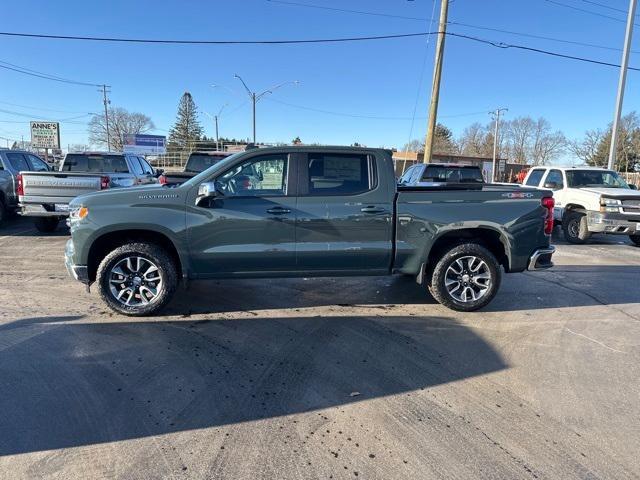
(151, 253)
(438, 288)
(574, 226)
(46, 224)
(635, 239)
(3, 212)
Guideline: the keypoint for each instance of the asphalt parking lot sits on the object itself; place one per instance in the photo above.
(321, 378)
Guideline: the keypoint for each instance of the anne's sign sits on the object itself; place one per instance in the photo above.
(45, 134)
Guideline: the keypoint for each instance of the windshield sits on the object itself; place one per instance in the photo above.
(452, 175)
(203, 176)
(595, 178)
(94, 163)
(200, 162)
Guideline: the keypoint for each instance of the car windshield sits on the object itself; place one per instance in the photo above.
(452, 175)
(595, 178)
(200, 162)
(94, 163)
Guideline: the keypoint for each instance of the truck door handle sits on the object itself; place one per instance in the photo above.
(278, 211)
(372, 209)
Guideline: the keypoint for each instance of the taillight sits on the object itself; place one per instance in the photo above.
(548, 203)
(20, 186)
(162, 180)
(104, 183)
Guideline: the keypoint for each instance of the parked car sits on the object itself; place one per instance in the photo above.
(441, 173)
(319, 211)
(12, 162)
(198, 162)
(590, 200)
(46, 195)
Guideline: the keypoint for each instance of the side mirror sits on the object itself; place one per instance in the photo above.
(158, 171)
(206, 190)
(633, 187)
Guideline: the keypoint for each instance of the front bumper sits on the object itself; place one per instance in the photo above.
(613, 223)
(78, 272)
(541, 258)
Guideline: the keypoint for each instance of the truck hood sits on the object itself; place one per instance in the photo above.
(614, 192)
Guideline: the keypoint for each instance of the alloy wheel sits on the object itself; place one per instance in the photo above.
(468, 279)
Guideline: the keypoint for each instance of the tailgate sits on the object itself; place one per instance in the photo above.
(56, 187)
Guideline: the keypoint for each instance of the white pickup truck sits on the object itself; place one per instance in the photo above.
(590, 200)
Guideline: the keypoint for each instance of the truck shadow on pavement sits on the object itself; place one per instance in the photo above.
(68, 382)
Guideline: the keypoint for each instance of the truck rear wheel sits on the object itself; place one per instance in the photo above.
(466, 278)
(137, 279)
(574, 226)
(3, 212)
(46, 224)
(635, 239)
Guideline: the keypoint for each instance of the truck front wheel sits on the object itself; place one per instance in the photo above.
(466, 278)
(46, 224)
(137, 279)
(635, 239)
(574, 225)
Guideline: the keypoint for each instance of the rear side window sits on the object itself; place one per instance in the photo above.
(95, 163)
(338, 174)
(146, 168)
(37, 164)
(534, 178)
(18, 162)
(135, 165)
(407, 175)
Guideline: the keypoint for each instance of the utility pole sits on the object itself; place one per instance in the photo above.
(496, 113)
(106, 103)
(256, 97)
(435, 88)
(623, 80)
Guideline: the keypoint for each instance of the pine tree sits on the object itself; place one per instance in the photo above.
(187, 129)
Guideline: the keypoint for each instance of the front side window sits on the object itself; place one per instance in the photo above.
(339, 174)
(37, 164)
(534, 178)
(18, 162)
(259, 177)
(595, 178)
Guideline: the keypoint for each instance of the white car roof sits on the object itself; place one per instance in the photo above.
(568, 169)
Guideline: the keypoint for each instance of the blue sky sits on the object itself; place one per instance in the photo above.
(377, 78)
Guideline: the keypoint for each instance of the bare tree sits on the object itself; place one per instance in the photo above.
(587, 148)
(518, 133)
(476, 141)
(546, 145)
(121, 123)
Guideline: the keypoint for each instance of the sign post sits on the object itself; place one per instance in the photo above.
(45, 135)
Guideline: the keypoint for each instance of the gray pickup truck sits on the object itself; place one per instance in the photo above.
(46, 195)
(316, 211)
(12, 162)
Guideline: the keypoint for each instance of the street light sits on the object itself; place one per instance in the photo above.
(255, 97)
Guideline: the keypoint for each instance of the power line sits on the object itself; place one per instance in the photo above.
(209, 42)
(39, 108)
(584, 10)
(602, 5)
(539, 37)
(369, 117)
(46, 76)
(506, 46)
(344, 10)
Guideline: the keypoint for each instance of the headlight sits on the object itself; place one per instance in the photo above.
(610, 202)
(78, 213)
